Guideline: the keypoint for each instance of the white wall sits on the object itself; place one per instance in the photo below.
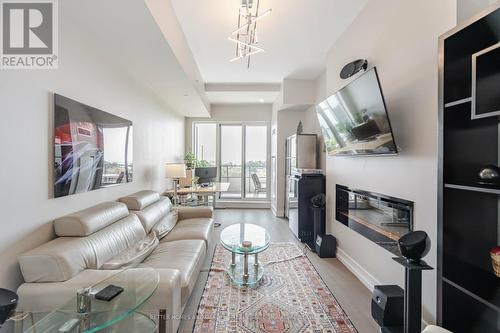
(87, 75)
(401, 39)
(469, 8)
(311, 123)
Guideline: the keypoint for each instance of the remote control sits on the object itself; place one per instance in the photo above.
(108, 293)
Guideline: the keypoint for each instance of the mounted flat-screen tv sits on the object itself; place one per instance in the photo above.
(92, 148)
(354, 120)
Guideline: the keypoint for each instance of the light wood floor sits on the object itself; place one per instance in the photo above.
(353, 296)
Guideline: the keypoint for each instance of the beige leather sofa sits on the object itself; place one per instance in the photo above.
(90, 238)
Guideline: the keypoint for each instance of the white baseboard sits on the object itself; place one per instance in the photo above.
(368, 280)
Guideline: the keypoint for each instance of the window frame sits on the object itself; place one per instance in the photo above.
(243, 125)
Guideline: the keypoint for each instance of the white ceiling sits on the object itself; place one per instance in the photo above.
(296, 37)
(131, 39)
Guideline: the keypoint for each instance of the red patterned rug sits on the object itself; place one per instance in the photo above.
(291, 297)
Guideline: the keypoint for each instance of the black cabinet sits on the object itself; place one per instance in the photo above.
(301, 217)
(468, 289)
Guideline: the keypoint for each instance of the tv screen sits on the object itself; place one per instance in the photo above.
(92, 148)
(354, 120)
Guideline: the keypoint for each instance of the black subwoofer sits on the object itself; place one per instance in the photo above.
(326, 246)
(388, 305)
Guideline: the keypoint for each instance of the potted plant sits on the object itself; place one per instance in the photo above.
(190, 160)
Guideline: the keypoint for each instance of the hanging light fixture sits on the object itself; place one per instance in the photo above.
(245, 35)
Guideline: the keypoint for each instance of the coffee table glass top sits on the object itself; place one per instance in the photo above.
(138, 285)
(233, 236)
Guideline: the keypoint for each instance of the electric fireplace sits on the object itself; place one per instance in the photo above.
(380, 218)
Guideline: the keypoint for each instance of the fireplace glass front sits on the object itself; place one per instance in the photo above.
(380, 218)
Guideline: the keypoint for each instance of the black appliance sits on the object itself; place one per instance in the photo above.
(205, 175)
(326, 246)
(302, 187)
(387, 307)
(354, 120)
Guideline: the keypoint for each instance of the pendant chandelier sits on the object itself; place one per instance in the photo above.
(245, 35)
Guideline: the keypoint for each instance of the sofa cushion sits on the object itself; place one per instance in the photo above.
(194, 212)
(65, 257)
(140, 200)
(198, 228)
(134, 255)
(90, 220)
(152, 214)
(186, 256)
(166, 224)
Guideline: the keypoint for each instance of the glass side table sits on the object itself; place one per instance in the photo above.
(245, 241)
(121, 312)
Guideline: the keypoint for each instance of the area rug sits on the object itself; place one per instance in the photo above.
(291, 297)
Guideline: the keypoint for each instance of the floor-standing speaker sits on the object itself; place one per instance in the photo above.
(388, 306)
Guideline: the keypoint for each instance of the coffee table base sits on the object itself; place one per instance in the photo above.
(243, 277)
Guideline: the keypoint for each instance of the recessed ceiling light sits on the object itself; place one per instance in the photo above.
(186, 95)
(261, 100)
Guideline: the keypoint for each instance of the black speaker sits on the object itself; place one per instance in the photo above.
(326, 246)
(353, 67)
(414, 245)
(388, 305)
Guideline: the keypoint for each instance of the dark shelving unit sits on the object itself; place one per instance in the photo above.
(468, 221)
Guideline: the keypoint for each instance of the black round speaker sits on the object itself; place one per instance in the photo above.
(319, 200)
(8, 304)
(489, 175)
(353, 67)
(414, 245)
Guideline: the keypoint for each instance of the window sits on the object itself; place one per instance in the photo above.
(230, 159)
(256, 161)
(241, 153)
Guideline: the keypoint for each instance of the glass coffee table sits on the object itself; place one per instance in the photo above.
(245, 241)
(119, 315)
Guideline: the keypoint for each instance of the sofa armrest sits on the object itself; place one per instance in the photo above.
(195, 212)
(165, 305)
(44, 297)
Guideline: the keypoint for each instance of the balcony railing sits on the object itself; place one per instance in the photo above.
(231, 173)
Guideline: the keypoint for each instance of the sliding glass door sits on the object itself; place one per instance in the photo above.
(256, 150)
(241, 153)
(231, 148)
